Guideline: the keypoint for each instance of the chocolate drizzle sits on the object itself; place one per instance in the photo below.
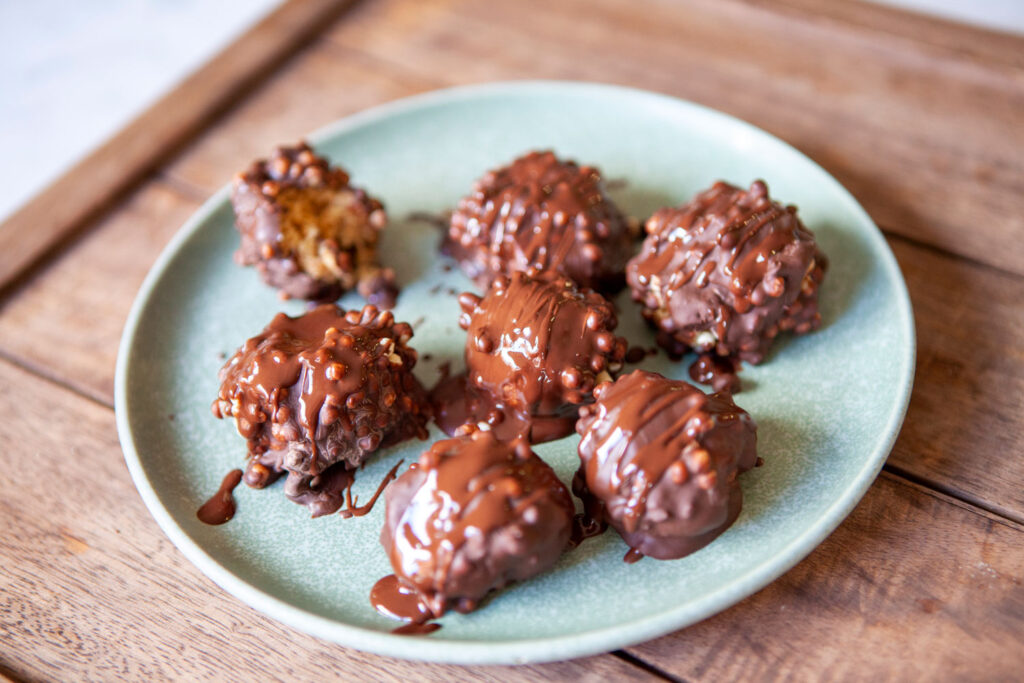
(536, 345)
(220, 508)
(544, 213)
(659, 460)
(315, 395)
(632, 556)
(591, 522)
(351, 510)
(727, 272)
(472, 515)
(397, 600)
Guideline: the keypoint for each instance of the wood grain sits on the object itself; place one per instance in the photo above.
(964, 430)
(899, 122)
(280, 112)
(120, 162)
(65, 322)
(943, 35)
(909, 588)
(93, 590)
(922, 120)
(906, 571)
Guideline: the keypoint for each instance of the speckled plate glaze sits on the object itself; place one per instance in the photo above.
(828, 405)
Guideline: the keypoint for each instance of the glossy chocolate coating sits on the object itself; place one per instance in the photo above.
(659, 461)
(315, 395)
(471, 516)
(536, 345)
(308, 231)
(545, 213)
(727, 272)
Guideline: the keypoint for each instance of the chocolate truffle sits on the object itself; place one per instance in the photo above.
(308, 231)
(536, 346)
(472, 515)
(315, 395)
(727, 272)
(545, 213)
(659, 461)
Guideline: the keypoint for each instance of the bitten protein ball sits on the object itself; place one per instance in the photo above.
(536, 346)
(308, 231)
(726, 272)
(545, 213)
(660, 459)
(472, 515)
(315, 395)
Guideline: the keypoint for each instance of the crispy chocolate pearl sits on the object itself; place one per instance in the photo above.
(727, 272)
(471, 516)
(537, 345)
(545, 213)
(308, 231)
(315, 395)
(660, 460)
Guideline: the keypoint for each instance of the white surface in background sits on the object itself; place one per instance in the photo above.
(76, 71)
(1001, 15)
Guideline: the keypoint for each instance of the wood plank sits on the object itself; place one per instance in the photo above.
(965, 414)
(927, 137)
(84, 296)
(97, 179)
(93, 590)
(965, 422)
(323, 86)
(908, 588)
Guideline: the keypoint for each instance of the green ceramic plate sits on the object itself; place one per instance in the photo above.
(828, 405)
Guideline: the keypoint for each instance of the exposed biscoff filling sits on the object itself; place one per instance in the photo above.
(328, 234)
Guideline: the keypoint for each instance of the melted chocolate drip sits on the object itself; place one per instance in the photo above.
(220, 508)
(398, 600)
(434, 220)
(416, 629)
(719, 372)
(456, 404)
(632, 556)
(635, 354)
(351, 511)
(544, 213)
(591, 522)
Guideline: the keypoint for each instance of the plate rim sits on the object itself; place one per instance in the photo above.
(536, 650)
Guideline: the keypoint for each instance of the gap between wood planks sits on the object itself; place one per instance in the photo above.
(646, 666)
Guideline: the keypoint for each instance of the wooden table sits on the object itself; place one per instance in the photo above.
(922, 120)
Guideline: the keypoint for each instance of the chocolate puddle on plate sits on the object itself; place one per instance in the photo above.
(220, 508)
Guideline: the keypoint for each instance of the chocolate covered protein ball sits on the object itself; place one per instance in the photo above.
(308, 231)
(315, 395)
(659, 461)
(726, 272)
(472, 515)
(545, 213)
(536, 346)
